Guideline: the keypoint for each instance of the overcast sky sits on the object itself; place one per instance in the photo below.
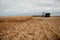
(23, 7)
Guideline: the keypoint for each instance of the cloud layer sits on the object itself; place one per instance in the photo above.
(28, 6)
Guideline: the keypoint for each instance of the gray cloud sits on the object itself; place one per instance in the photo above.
(29, 6)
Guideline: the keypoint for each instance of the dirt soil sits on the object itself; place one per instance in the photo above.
(37, 28)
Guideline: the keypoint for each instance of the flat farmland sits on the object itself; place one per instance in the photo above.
(31, 28)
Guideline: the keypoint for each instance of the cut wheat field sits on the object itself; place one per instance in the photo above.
(29, 28)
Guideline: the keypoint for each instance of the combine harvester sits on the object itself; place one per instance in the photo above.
(43, 15)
